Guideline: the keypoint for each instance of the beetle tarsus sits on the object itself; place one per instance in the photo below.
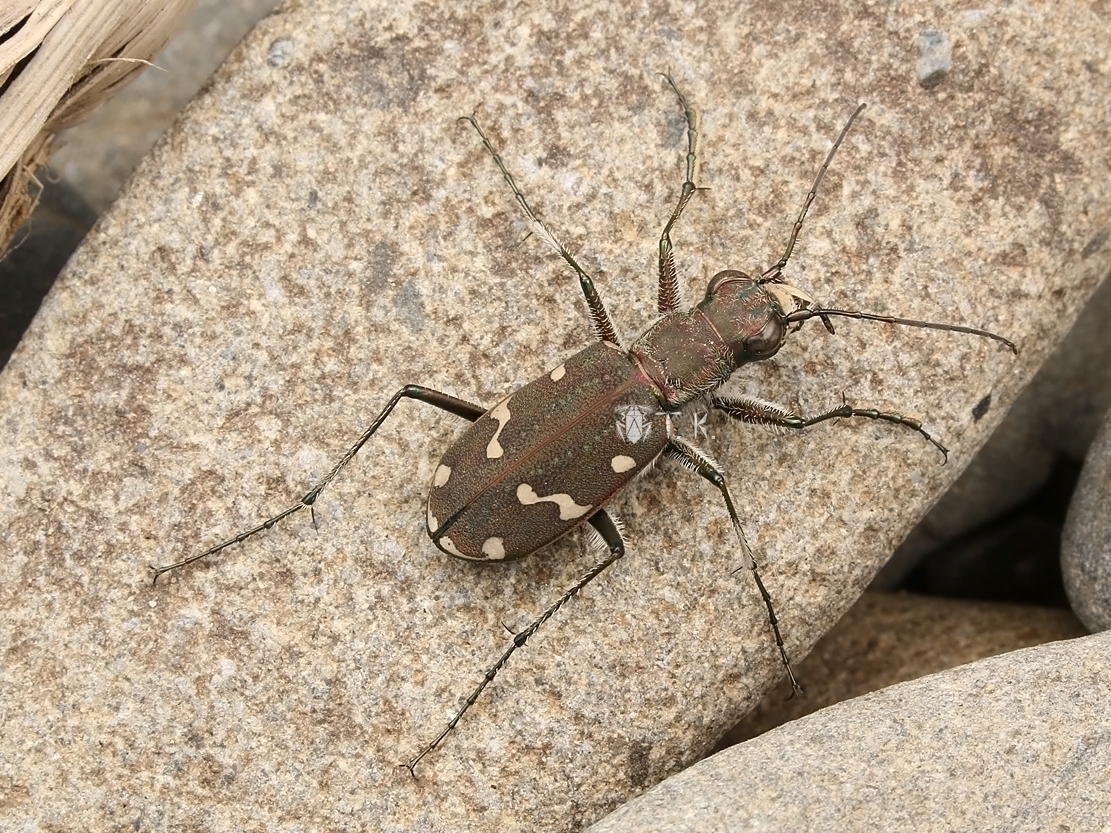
(700, 462)
(670, 296)
(599, 317)
(757, 412)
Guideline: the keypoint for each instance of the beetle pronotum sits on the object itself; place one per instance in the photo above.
(547, 458)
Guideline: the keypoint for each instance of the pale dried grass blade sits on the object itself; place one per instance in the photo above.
(60, 60)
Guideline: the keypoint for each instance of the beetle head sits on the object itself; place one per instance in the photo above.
(751, 314)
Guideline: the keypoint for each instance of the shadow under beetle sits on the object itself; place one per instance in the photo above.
(548, 457)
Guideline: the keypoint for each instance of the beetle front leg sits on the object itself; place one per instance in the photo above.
(604, 525)
(439, 400)
(687, 455)
(670, 295)
(758, 412)
(603, 325)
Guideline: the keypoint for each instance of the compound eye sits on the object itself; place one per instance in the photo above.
(766, 342)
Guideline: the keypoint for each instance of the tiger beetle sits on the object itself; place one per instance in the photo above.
(549, 457)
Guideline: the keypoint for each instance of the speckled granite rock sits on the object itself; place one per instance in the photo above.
(97, 156)
(1015, 742)
(1086, 542)
(93, 159)
(318, 229)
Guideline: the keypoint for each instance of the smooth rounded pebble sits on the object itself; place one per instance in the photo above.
(1013, 743)
(889, 638)
(1086, 539)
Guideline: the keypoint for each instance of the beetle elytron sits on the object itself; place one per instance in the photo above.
(549, 457)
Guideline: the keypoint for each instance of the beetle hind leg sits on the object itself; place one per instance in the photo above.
(610, 533)
(443, 401)
(687, 455)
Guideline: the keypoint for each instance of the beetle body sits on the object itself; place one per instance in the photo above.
(544, 459)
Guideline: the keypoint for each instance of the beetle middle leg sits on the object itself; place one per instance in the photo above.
(687, 455)
(443, 401)
(757, 412)
(610, 534)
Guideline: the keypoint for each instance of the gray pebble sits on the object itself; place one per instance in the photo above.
(935, 57)
(1086, 540)
(944, 752)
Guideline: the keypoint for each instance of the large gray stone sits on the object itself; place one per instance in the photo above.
(1086, 540)
(318, 229)
(1019, 742)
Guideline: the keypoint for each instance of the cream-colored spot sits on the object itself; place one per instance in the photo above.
(568, 509)
(558, 373)
(622, 463)
(501, 414)
(446, 544)
(495, 548)
(613, 346)
(442, 475)
(433, 524)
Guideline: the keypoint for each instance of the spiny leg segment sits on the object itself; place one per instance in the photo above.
(600, 319)
(611, 535)
(757, 412)
(687, 455)
(670, 295)
(439, 400)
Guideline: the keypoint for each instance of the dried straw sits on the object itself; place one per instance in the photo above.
(59, 60)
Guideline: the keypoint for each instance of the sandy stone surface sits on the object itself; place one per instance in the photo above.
(1017, 742)
(1057, 415)
(319, 229)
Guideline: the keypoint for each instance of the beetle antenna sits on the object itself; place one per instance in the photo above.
(774, 274)
(801, 315)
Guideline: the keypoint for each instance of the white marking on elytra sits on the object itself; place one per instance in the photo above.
(568, 509)
(446, 544)
(495, 548)
(501, 414)
(442, 475)
(558, 373)
(622, 463)
(433, 524)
